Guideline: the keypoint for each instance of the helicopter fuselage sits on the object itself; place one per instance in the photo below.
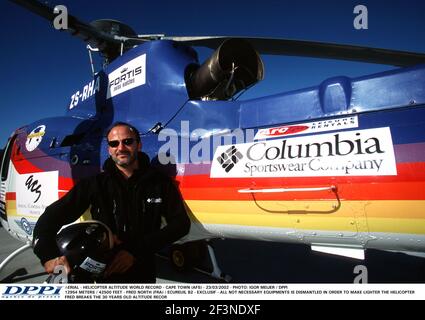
(340, 165)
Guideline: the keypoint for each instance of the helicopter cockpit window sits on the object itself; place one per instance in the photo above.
(5, 161)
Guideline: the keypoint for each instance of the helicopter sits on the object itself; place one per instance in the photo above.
(338, 166)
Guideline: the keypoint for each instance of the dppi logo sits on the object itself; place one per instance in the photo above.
(31, 291)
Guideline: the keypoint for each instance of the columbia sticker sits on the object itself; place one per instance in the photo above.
(348, 153)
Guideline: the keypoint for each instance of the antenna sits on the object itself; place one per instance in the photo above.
(90, 50)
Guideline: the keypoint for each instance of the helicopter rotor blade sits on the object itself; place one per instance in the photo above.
(102, 40)
(275, 46)
(86, 32)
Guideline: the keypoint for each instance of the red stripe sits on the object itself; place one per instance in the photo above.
(65, 183)
(24, 166)
(409, 184)
(10, 196)
(394, 191)
(61, 194)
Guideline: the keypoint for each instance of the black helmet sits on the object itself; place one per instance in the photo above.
(87, 246)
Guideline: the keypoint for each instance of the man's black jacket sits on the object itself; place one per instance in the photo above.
(133, 208)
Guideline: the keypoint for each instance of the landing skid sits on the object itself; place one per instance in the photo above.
(216, 272)
(198, 256)
(12, 256)
(12, 277)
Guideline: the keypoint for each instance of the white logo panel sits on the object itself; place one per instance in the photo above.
(367, 152)
(35, 191)
(127, 77)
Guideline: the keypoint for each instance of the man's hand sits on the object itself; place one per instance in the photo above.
(50, 265)
(122, 261)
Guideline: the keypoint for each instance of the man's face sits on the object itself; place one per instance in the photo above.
(124, 146)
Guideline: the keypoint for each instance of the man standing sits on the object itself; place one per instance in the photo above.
(130, 197)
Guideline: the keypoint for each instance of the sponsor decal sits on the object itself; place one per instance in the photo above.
(88, 90)
(128, 76)
(309, 127)
(350, 153)
(154, 200)
(35, 137)
(93, 266)
(35, 191)
(25, 225)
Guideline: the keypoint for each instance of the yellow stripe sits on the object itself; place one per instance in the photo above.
(35, 135)
(395, 209)
(411, 226)
(11, 211)
(11, 208)
(383, 216)
(273, 214)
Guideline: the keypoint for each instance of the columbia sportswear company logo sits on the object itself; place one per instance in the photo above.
(368, 152)
(229, 158)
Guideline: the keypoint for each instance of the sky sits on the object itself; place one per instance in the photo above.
(40, 67)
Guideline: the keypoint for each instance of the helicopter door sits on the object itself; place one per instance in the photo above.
(5, 165)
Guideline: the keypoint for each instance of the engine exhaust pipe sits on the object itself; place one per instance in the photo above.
(234, 66)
